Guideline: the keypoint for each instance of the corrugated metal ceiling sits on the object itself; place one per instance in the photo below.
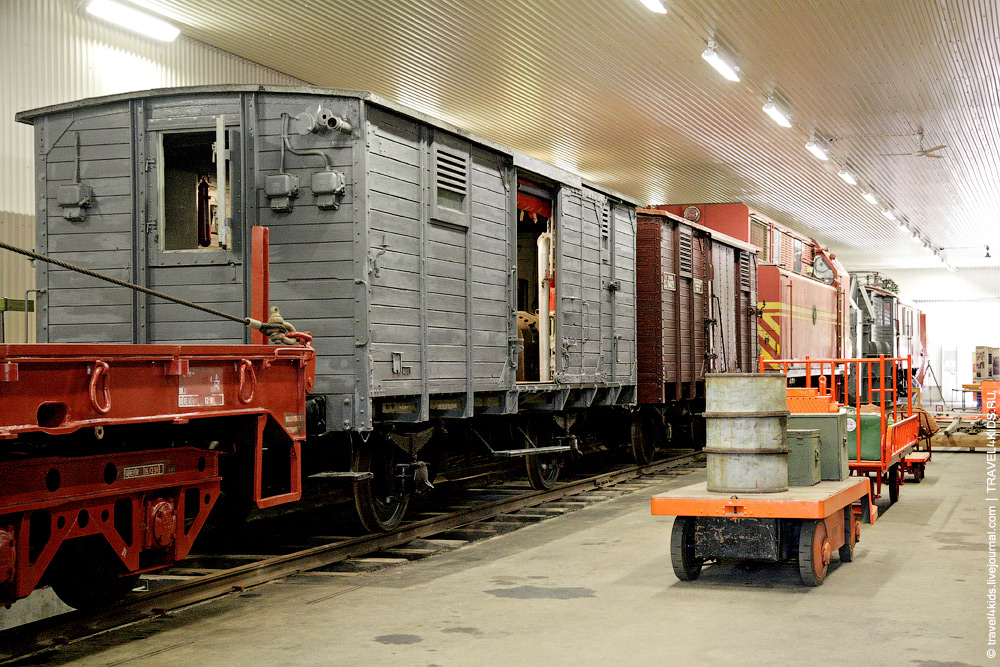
(622, 96)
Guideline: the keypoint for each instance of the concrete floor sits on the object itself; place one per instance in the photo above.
(595, 587)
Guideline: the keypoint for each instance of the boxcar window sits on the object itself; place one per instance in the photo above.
(189, 192)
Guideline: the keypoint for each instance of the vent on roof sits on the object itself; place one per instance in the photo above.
(686, 264)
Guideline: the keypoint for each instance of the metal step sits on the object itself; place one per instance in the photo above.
(531, 451)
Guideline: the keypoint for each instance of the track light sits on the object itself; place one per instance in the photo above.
(133, 19)
(915, 236)
(887, 212)
(817, 150)
(654, 6)
(870, 198)
(731, 72)
(847, 177)
(777, 114)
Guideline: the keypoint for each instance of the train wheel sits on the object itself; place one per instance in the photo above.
(86, 574)
(379, 503)
(894, 480)
(686, 565)
(643, 445)
(814, 552)
(543, 470)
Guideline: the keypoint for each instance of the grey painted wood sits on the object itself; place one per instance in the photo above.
(413, 270)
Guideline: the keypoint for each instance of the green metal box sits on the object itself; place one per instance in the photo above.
(832, 427)
(803, 457)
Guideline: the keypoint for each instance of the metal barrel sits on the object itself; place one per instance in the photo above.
(745, 422)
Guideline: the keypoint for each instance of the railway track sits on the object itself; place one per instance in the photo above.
(190, 582)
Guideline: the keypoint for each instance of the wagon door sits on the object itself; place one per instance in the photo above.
(191, 198)
(583, 267)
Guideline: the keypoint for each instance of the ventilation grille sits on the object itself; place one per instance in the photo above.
(745, 272)
(786, 256)
(605, 233)
(686, 263)
(452, 171)
(758, 237)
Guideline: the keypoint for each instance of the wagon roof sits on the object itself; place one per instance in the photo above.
(724, 238)
(30, 115)
(521, 159)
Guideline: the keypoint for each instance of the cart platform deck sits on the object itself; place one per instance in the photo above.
(798, 502)
(805, 523)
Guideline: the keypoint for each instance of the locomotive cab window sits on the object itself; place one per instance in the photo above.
(535, 262)
(189, 193)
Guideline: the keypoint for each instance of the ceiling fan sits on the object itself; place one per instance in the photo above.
(921, 152)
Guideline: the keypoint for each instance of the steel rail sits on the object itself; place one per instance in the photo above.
(43, 635)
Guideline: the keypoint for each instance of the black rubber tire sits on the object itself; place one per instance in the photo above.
(894, 480)
(379, 505)
(686, 565)
(543, 470)
(812, 569)
(86, 574)
(847, 550)
(918, 473)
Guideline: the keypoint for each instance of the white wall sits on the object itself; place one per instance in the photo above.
(51, 52)
(963, 311)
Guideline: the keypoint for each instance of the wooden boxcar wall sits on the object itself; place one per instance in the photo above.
(441, 298)
(687, 280)
(595, 286)
(406, 295)
(318, 274)
(74, 307)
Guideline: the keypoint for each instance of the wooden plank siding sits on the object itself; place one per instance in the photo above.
(76, 308)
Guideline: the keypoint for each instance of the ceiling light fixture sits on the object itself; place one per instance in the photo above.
(817, 150)
(870, 198)
(721, 65)
(777, 114)
(133, 19)
(915, 236)
(654, 6)
(887, 212)
(847, 177)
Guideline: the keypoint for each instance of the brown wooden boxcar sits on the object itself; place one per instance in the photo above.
(697, 302)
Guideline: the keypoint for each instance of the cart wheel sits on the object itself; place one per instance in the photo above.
(894, 480)
(686, 565)
(918, 473)
(814, 552)
(851, 530)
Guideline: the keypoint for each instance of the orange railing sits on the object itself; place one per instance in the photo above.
(874, 383)
(899, 436)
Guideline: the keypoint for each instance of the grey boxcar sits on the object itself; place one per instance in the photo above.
(405, 245)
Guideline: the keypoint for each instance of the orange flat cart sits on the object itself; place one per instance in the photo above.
(807, 523)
